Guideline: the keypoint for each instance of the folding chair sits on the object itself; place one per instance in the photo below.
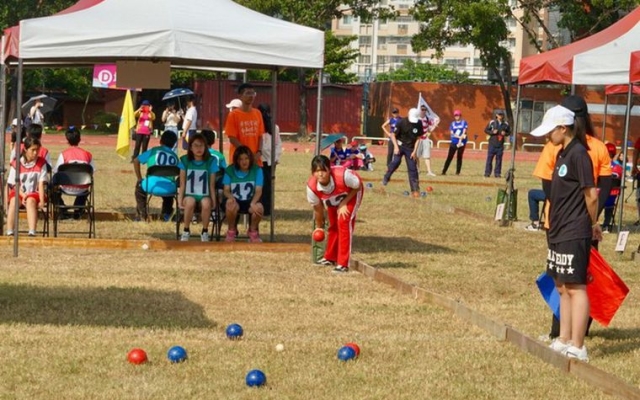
(611, 205)
(164, 171)
(75, 181)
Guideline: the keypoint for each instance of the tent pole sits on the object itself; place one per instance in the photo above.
(3, 115)
(18, 155)
(274, 115)
(512, 170)
(624, 152)
(319, 114)
(220, 116)
(604, 118)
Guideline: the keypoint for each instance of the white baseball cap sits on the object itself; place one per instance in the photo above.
(555, 116)
(235, 103)
(414, 115)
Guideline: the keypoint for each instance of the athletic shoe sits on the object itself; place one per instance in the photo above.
(533, 227)
(231, 236)
(254, 237)
(204, 236)
(557, 345)
(9, 233)
(575, 352)
(339, 269)
(32, 233)
(326, 263)
(166, 217)
(431, 174)
(185, 236)
(385, 181)
(606, 229)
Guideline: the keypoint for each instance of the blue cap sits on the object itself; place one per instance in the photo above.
(146, 103)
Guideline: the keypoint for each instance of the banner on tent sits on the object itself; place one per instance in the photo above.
(104, 76)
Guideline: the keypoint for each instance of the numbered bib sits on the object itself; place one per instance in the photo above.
(163, 158)
(335, 200)
(243, 191)
(197, 183)
(29, 182)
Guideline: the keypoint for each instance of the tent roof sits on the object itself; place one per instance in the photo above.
(217, 33)
(12, 34)
(634, 68)
(559, 66)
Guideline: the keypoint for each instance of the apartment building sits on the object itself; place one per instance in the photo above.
(386, 44)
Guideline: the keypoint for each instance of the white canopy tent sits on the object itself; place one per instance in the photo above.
(200, 33)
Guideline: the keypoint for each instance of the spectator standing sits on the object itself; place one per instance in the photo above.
(145, 117)
(190, 122)
(265, 110)
(389, 128)
(458, 134)
(497, 129)
(423, 149)
(244, 125)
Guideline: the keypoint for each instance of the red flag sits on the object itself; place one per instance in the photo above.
(605, 289)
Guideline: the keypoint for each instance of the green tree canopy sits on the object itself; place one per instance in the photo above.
(425, 72)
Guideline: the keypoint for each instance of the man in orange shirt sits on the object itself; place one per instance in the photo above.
(244, 125)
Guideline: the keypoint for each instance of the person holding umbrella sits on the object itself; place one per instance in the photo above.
(145, 117)
(171, 118)
(36, 114)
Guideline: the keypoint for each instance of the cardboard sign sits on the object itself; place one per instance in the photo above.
(621, 244)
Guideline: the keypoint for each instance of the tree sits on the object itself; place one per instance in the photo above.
(581, 18)
(425, 72)
(319, 14)
(479, 23)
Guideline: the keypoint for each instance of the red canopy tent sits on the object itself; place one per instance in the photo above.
(634, 67)
(557, 65)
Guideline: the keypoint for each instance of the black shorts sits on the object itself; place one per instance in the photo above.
(567, 262)
(243, 205)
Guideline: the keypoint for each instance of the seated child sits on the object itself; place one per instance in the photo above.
(352, 157)
(74, 155)
(218, 157)
(31, 194)
(367, 158)
(616, 182)
(197, 185)
(35, 131)
(160, 186)
(243, 183)
(338, 154)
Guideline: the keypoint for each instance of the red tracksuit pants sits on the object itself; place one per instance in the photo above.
(341, 232)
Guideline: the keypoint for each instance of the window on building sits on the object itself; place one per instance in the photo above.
(402, 49)
(347, 20)
(364, 59)
(403, 29)
(364, 40)
(512, 43)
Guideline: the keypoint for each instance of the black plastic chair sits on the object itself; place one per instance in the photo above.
(73, 180)
(165, 171)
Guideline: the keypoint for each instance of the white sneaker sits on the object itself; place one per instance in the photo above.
(185, 236)
(9, 233)
(577, 352)
(431, 174)
(533, 227)
(557, 345)
(204, 236)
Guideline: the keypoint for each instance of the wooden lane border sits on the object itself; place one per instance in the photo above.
(152, 245)
(606, 382)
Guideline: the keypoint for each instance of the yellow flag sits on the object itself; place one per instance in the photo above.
(127, 121)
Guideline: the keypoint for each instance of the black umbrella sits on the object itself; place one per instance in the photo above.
(48, 103)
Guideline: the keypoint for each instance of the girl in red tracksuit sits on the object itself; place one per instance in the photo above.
(340, 190)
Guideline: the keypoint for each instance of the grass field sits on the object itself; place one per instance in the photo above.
(69, 317)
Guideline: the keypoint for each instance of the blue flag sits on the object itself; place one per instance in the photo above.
(549, 293)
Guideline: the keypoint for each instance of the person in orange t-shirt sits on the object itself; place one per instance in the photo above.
(244, 125)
